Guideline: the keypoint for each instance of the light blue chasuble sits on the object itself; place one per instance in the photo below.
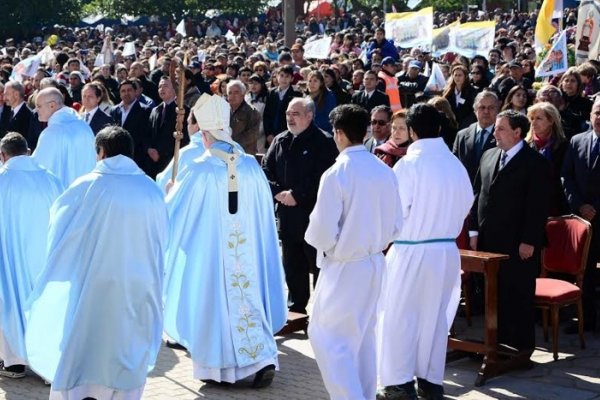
(95, 315)
(27, 192)
(66, 147)
(224, 288)
(187, 154)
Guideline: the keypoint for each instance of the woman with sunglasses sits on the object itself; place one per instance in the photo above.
(479, 79)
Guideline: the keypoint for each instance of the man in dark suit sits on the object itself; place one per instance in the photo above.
(381, 127)
(149, 88)
(473, 141)
(516, 78)
(91, 95)
(293, 165)
(163, 119)
(133, 117)
(581, 181)
(370, 97)
(14, 96)
(5, 113)
(277, 103)
(512, 191)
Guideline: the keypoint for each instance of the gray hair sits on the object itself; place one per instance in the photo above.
(18, 87)
(52, 94)
(483, 95)
(307, 103)
(237, 83)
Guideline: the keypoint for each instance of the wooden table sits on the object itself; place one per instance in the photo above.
(488, 264)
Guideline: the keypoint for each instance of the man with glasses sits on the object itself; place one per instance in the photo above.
(66, 147)
(293, 165)
(473, 141)
(370, 97)
(380, 127)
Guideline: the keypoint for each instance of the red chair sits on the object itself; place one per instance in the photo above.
(566, 253)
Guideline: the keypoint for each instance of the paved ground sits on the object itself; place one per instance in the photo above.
(575, 376)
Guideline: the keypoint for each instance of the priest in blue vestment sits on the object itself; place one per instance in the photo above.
(224, 286)
(95, 315)
(66, 146)
(27, 194)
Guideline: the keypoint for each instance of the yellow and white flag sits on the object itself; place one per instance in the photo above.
(410, 29)
(587, 46)
(544, 27)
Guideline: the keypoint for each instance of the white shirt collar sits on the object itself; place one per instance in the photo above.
(92, 112)
(18, 108)
(487, 128)
(510, 153)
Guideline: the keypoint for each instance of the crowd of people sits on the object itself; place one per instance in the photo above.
(486, 159)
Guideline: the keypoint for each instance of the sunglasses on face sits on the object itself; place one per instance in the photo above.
(379, 122)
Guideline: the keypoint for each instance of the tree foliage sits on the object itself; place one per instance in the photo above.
(173, 8)
(20, 17)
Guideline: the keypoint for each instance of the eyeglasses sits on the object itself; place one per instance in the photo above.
(379, 122)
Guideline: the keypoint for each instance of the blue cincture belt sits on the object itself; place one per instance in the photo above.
(411, 242)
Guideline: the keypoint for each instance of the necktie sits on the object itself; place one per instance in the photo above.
(480, 142)
(163, 113)
(503, 159)
(595, 152)
(87, 117)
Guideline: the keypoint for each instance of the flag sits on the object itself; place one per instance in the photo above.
(46, 55)
(440, 39)
(587, 46)
(129, 49)
(427, 70)
(413, 3)
(436, 82)
(27, 67)
(107, 51)
(544, 29)
(318, 49)
(555, 62)
(410, 29)
(152, 62)
(181, 28)
(230, 36)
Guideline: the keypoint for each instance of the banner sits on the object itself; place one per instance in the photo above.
(587, 44)
(181, 28)
(555, 62)
(472, 38)
(129, 50)
(318, 49)
(440, 41)
(410, 29)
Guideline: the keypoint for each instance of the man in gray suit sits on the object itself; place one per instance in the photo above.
(581, 181)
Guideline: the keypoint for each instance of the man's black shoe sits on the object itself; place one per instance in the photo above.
(16, 371)
(174, 345)
(264, 377)
(215, 383)
(430, 391)
(406, 391)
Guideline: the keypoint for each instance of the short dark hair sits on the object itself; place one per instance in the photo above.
(128, 82)
(516, 120)
(424, 119)
(286, 69)
(384, 109)
(14, 144)
(352, 119)
(115, 141)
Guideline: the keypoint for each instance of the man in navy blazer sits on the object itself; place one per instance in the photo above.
(370, 97)
(581, 181)
(131, 115)
(472, 142)
(91, 96)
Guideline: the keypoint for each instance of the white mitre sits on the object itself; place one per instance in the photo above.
(213, 114)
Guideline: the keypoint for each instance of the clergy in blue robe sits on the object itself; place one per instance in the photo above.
(187, 154)
(66, 146)
(27, 193)
(224, 288)
(95, 315)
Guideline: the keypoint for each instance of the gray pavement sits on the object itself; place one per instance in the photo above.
(575, 376)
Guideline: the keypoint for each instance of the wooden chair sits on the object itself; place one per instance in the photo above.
(566, 253)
